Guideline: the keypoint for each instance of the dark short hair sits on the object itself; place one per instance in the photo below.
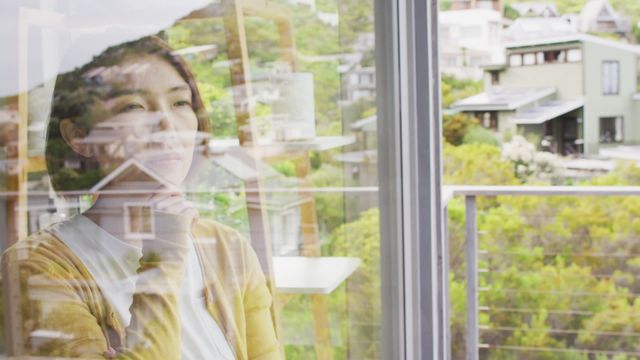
(75, 92)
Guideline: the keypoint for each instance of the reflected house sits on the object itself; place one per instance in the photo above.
(228, 168)
(361, 166)
(469, 39)
(310, 3)
(598, 16)
(205, 52)
(132, 175)
(9, 121)
(576, 92)
(358, 83)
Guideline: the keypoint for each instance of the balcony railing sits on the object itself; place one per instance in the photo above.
(471, 194)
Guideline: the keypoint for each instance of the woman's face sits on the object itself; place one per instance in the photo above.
(148, 107)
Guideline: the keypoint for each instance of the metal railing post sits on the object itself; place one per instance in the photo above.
(471, 254)
(445, 305)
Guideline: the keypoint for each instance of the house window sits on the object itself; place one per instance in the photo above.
(495, 78)
(574, 55)
(529, 59)
(610, 77)
(139, 221)
(488, 119)
(515, 60)
(611, 129)
(551, 57)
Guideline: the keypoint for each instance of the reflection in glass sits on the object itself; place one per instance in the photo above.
(209, 191)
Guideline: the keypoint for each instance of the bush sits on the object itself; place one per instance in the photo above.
(455, 127)
(480, 135)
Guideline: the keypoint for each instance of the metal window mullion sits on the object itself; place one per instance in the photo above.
(409, 168)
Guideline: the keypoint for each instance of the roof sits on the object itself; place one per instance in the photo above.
(359, 157)
(535, 28)
(368, 124)
(548, 110)
(130, 165)
(578, 37)
(593, 8)
(501, 98)
(469, 16)
(536, 8)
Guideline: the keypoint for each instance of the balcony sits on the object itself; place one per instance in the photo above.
(548, 271)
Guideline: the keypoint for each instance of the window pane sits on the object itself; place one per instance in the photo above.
(191, 179)
(541, 249)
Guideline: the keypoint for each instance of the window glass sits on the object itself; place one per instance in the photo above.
(515, 59)
(190, 179)
(540, 169)
(574, 55)
(610, 77)
(611, 129)
(529, 59)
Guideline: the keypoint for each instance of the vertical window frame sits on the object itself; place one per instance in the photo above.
(414, 272)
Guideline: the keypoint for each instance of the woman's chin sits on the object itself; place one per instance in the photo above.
(169, 170)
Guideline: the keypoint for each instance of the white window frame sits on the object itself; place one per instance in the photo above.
(610, 77)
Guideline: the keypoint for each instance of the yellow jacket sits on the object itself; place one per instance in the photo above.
(84, 324)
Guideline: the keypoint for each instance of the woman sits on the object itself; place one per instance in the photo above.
(137, 275)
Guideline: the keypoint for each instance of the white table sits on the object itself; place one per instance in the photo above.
(312, 275)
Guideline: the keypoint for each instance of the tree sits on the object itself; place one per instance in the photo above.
(476, 164)
(455, 127)
(454, 89)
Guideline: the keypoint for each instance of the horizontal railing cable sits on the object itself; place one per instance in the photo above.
(560, 331)
(560, 350)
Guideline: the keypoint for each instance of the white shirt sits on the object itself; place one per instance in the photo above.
(114, 263)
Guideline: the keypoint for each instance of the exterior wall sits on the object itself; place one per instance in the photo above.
(504, 125)
(567, 78)
(598, 105)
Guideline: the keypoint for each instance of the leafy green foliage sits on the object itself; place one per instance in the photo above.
(455, 127)
(480, 135)
(454, 89)
(561, 272)
(476, 164)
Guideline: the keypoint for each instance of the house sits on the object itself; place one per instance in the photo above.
(227, 170)
(526, 28)
(469, 39)
(360, 166)
(358, 83)
(497, 5)
(536, 9)
(578, 93)
(598, 16)
(310, 3)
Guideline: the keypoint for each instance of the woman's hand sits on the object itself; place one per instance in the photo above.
(165, 252)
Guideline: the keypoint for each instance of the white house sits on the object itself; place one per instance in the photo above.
(580, 92)
(469, 39)
(599, 16)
